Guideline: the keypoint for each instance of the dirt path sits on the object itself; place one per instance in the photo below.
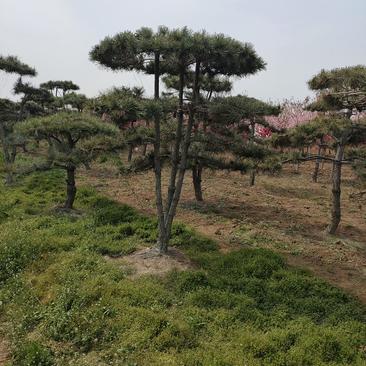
(287, 214)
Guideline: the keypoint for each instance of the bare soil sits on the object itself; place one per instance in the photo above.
(287, 213)
(149, 261)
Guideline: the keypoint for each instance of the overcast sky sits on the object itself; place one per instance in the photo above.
(296, 38)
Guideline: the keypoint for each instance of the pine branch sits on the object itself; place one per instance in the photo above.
(316, 157)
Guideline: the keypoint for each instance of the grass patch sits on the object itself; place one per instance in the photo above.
(64, 304)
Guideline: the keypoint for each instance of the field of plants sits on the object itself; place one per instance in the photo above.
(183, 225)
(63, 303)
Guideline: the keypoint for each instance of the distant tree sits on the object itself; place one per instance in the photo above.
(75, 100)
(213, 148)
(11, 113)
(8, 117)
(74, 142)
(64, 96)
(342, 88)
(244, 114)
(307, 135)
(34, 102)
(293, 113)
(340, 92)
(32, 96)
(64, 86)
(123, 106)
(210, 86)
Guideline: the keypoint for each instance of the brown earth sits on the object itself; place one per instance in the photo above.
(149, 261)
(287, 213)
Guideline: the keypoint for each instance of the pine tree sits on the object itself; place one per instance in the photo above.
(341, 90)
(11, 113)
(73, 141)
(177, 52)
(340, 93)
(124, 106)
(55, 86)
(243, 115)
(8, 117)
(12, 65)
(211, 86)
(75, 100)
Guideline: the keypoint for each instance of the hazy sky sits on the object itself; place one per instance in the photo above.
(296, 38)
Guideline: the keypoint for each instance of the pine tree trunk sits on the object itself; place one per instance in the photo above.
(171, 211)
(71, 188)
(9, 158)
(336, 190)
(252, 136)
(144, 149)
(9, 179)
(130, 151)
(252, 177)
(163, 240)
(197, 182)
(316, 171)
(317, 162)
(177, 143)
(162, 237)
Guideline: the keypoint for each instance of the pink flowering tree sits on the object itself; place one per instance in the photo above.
(293, 113)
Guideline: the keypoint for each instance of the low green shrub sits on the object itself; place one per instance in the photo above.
(33, 354)
(108, 212)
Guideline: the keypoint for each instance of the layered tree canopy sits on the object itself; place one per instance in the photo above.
(67, 127)
(75, 100)
(119, 105)
(340, 88)
(233, 110)
(32, 93)
(74, 138)
(8, 110)
(187, 58)
(55, 85)
(12, 65)
(219, 54)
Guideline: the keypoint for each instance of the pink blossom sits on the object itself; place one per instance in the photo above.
(293, 114)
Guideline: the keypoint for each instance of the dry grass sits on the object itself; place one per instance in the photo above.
(149, 261)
